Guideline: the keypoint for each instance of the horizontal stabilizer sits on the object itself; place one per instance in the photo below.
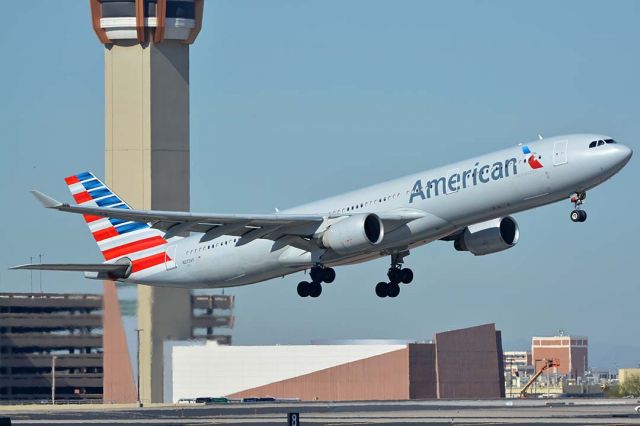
(45, 200)
(113, 270)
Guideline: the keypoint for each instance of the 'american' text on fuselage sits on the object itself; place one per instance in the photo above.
(470, 177)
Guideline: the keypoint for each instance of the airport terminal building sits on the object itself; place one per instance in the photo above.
(465, 363)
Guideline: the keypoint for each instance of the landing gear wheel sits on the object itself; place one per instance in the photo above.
(319, 274)
(329, 275)
(316, 274)
(304, 289)
(406, 276)
(315, 289)
(575, 216)
(393, 290)
(395, 275)
(583, 215)
(578, 216)
(381, 289)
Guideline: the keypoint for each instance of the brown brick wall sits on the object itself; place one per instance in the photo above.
(561, 354)
(422, 371)
(467, 363)
(381, 377)
(119, 385)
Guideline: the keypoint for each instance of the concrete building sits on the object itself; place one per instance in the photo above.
(35, 329)
(463, 363)
(571, 351)
(516, 360)
(147, 143)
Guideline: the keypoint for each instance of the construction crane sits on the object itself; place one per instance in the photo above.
(546, 364)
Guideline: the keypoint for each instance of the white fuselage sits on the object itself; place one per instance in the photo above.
(449, 199)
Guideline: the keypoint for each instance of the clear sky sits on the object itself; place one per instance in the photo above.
(296, 100)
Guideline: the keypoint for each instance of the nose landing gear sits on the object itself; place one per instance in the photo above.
(578, 215)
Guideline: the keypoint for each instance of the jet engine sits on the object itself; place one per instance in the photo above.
(353, 234)
(489, 237)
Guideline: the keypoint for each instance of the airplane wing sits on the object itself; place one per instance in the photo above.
(248, 226)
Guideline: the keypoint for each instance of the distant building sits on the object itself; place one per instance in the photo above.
(35, 329)
(85, 335)
(571, 351)
(516, 360)
(626, 373)
(464, 363)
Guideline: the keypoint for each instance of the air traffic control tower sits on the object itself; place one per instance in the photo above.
(146, 69)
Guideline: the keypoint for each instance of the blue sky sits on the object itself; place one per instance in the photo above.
(296, 100)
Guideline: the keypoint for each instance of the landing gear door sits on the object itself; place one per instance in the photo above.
(170, 257)
(560, 153)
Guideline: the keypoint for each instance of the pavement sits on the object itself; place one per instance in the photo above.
(458, 412)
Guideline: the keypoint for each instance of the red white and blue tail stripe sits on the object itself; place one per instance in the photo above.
(116, 238)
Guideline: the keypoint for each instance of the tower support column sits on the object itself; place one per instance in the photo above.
(147, 164)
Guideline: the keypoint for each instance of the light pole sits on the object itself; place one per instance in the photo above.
(53, 379)
(138, 330)
(40, 258)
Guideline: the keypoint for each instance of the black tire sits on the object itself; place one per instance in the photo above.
(407, 276)
(316, 274)
(395, 275)
(381, 289)
(393, 290)
(575, 216)
(329, 275)
(304, 289)
(583, 215)
(315, 289)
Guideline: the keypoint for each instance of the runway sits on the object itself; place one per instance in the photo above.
(554, 411)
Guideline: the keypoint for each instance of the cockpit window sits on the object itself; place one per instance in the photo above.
(593, 144)
(600, 142)
(609, 141)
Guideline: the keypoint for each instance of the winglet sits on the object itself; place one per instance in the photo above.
(45, 200)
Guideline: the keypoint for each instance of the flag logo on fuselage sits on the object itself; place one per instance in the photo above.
(532, 161)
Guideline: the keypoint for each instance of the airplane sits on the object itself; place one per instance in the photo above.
(469, 203)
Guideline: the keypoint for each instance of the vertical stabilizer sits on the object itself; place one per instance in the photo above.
(116, 238)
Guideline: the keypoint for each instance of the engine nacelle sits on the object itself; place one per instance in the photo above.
(354, 234)
(489, 237)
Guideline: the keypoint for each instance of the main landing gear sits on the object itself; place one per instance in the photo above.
(578, 215)
(396, 275)
(318, 274)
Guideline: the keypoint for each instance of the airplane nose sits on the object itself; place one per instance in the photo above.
(624, 153)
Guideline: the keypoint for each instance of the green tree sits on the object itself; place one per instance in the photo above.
(631, 385)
